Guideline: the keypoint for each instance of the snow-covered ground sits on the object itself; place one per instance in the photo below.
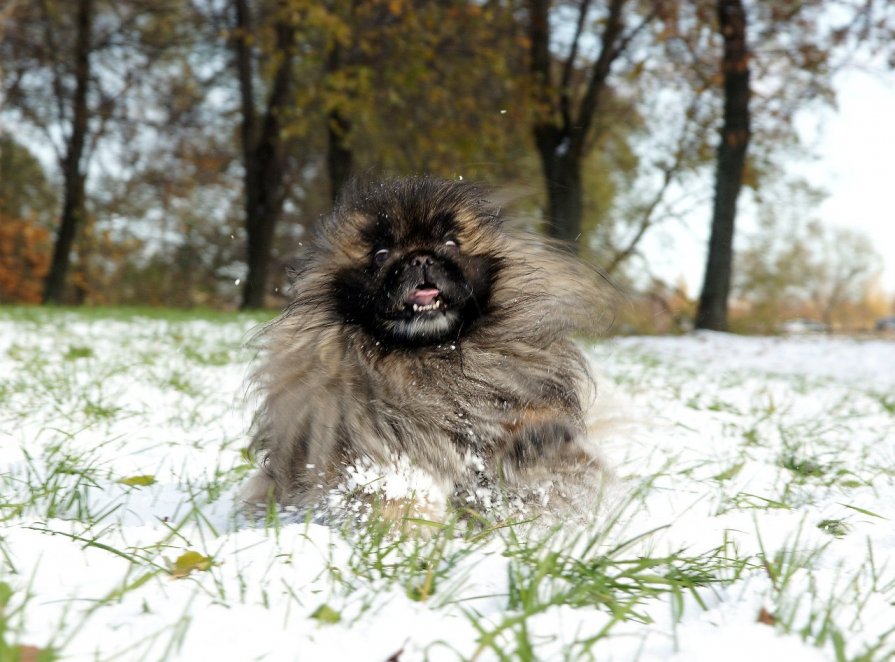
(750, 515)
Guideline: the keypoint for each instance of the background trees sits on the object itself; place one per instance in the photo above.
(188, 147)
(74, 76)
(794, 267)
(50, 46)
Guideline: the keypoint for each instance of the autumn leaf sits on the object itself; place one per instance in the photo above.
(326, 614)
(766, 617)
(33, 654)
(188, 562)
(138, 481)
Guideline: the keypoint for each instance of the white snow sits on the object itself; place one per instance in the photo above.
(716, 442)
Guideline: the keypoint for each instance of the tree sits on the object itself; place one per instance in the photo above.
(73, 166)
(52, 46)
(773, 260)
(565, 108)
(731, 161)
(263, 142)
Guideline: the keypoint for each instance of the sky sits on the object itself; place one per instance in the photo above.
(856, 162)
(854, 146)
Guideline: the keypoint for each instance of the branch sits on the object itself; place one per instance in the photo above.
(565, 94)
(268, 148)
(599, 73)
(612, 44)
(76, 141)
(668, 176)
(646, 220)
(539, 36)
(49, 35)
(241, 30)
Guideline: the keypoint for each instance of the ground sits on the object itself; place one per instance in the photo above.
(750, 512)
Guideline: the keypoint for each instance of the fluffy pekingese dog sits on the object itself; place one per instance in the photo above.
(424, 333)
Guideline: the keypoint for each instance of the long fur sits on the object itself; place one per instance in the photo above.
(501, 402)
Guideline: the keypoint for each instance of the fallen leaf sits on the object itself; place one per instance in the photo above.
(25, 653)
(396, 656)
(326, 614)
(188, 562)
(138, 481)
(766, 617)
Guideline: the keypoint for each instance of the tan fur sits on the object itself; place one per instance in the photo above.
(333, 394)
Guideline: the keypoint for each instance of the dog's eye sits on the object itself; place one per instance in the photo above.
(452, 246)
(380, 256)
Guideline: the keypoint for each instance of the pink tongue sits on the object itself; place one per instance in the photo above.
(423, 297)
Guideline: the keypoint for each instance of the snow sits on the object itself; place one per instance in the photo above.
(713, 441)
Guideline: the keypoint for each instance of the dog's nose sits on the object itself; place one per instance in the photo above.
(421, 261)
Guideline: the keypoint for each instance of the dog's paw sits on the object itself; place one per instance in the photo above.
(547, 447)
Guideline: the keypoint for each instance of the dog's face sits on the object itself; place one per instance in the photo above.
(423, 262)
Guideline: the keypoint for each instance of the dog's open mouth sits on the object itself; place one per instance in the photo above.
(424, 298)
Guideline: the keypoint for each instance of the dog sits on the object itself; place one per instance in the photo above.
(427, 336)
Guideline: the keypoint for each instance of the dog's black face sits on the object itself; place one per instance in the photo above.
(422, 294)
(418, 278)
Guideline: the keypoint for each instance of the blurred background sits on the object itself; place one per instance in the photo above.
(726, 162)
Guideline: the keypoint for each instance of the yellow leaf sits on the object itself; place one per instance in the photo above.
(140, 481)
(326, 614)
(188, 562)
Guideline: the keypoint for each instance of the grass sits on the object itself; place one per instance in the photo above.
(42, 314)
(764, 495)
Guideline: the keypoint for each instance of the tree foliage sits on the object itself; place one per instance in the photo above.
(27, 206)
(194, 144)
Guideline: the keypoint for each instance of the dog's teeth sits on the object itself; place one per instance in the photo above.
(435, 305)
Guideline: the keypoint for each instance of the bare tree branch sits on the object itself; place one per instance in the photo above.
(565, 99)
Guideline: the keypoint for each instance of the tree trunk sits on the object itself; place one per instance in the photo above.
(562, 130)
(263, 153)
(339, 156)
(74, 199)
(555, 137)
(712, 311)
(562, 175)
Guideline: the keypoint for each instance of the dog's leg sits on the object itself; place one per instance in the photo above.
(548, 446)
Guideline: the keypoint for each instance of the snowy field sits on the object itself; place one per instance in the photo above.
(750, 516)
